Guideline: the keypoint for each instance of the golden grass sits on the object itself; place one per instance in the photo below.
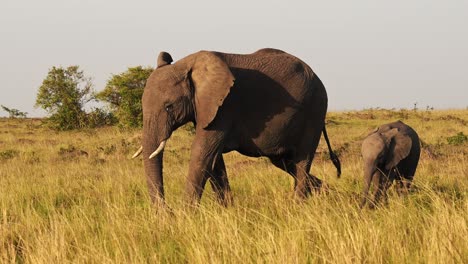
(77, 197)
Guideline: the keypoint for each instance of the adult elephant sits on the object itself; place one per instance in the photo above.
(268, 103)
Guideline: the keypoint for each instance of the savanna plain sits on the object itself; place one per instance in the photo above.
(78, 197)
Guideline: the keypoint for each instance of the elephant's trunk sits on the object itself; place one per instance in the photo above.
(154, 165)
(369, 172)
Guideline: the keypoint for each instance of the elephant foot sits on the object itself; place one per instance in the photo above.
(312, 185)
(403, 187)
(315, 185)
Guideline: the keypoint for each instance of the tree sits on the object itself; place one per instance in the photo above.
(63, 94)
(123, 92)
(14, 113)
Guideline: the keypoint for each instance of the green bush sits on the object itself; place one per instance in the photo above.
(123, 93)
(8, 154)
(99, 118)
(63, 94)
(14, 113)
(458, 139)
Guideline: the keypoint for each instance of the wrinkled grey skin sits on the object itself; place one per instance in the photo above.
(268, 103)
(391, 152)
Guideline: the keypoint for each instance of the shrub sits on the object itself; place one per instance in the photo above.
(458, 139)
(8, 154)
(123, 92)
(14, 113)
(99, 118)
(63, 94)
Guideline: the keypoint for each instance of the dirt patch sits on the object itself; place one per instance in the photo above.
(331, 122)
(71, 152)
(453, 118)
(243, 164)
(135, 139)
(25, 141)
(50, 141)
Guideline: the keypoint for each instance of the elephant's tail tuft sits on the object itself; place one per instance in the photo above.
(333, 156)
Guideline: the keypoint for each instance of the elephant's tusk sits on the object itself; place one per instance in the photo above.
(158, 150)
(138, 152)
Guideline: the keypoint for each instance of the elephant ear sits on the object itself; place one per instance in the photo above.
(164, 59)
(373, 131)
(213, 81)
(399, 148)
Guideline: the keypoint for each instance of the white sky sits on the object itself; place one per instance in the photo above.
(367, 53)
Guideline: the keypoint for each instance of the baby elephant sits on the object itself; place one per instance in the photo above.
(391, 152)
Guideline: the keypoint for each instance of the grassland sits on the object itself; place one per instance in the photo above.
(78, 197)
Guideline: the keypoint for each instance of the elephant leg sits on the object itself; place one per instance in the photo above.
(400, 187)
(206, 146)
(381, 184)
(304, 182)
(284, 164)
(220, 184)
(385, 186)
(406, 178)
(403, 186)
(407, 169)
(288, 166)
(402, 182)
(399, 182)
(315, 113)
(299, 161)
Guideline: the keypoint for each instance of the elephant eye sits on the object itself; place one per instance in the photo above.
(168, 107)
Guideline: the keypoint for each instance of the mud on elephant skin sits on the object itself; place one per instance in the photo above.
(390, 153)
(268, 103)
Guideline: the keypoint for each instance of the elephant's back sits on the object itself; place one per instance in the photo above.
(268, 51)
(272, 69)
(276, 64)
(402, 128)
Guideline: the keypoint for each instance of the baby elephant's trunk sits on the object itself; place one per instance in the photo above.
(369, 172)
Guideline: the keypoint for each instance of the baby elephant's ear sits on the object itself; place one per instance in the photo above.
(400, 147)
(373, 131)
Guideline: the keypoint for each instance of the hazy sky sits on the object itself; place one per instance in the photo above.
(367, 53)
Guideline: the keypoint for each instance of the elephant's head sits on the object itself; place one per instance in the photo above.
(383, 150)
(190, 90)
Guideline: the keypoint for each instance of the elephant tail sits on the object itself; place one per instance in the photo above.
(333, 156)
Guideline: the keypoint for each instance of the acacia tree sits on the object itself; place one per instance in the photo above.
(123, 92)
(63, 94)
(14, 113)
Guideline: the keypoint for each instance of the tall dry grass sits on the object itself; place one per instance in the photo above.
(77, 197)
